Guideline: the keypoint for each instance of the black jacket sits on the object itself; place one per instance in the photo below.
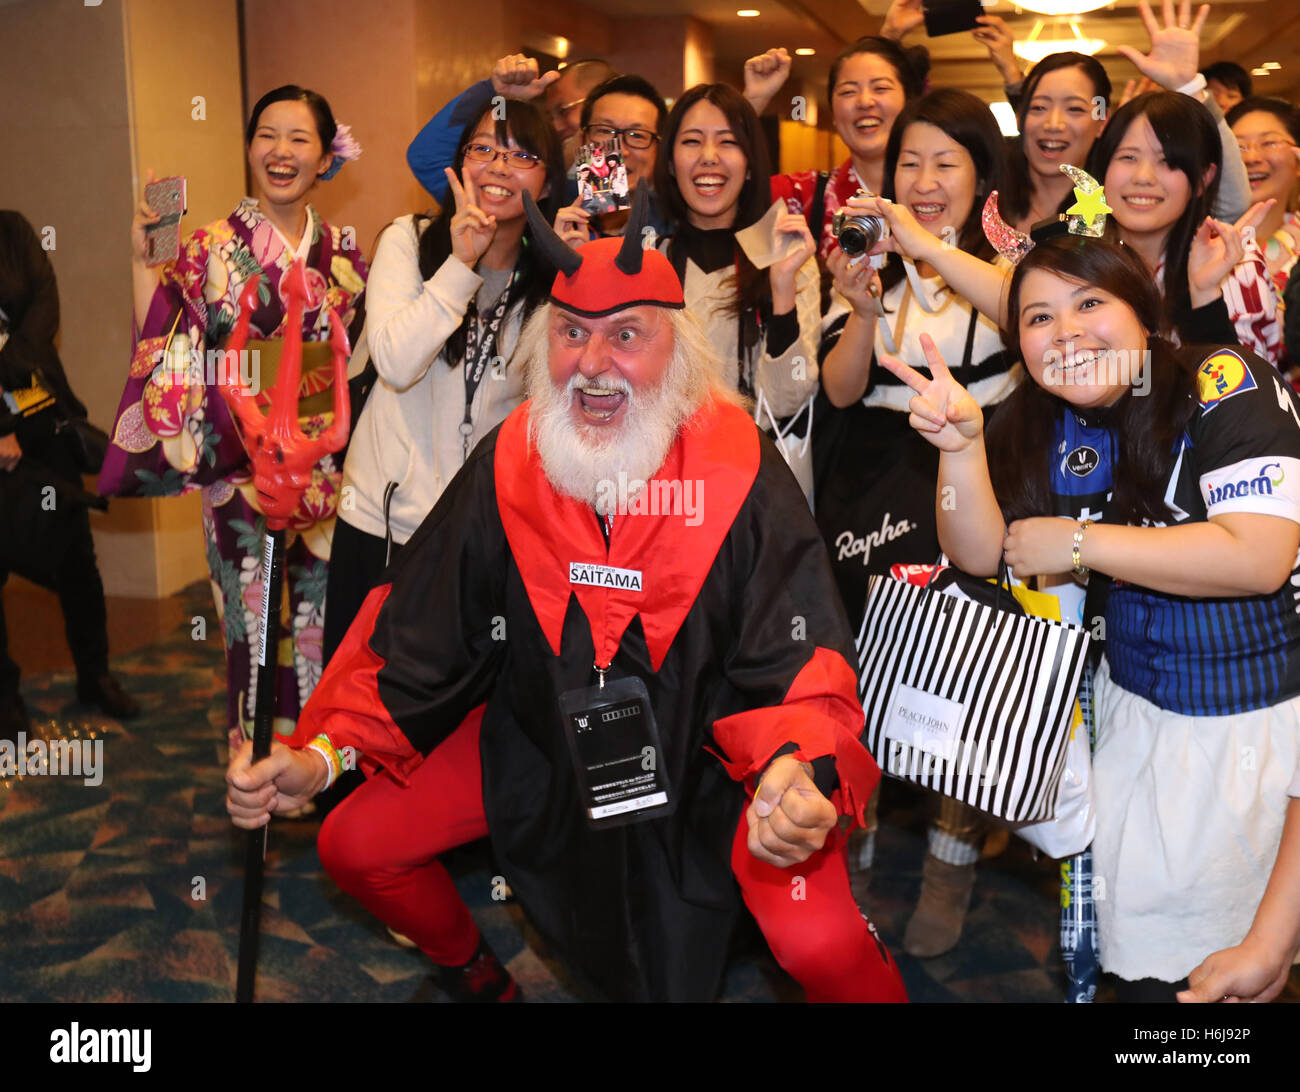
(29, 297)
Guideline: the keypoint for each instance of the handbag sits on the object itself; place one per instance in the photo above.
(971, 699)
(87, 443)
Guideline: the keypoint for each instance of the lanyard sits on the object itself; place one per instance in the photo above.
(479, 343)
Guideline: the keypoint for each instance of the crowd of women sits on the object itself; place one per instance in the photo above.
(878, 375)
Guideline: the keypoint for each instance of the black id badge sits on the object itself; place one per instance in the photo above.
(616, 755)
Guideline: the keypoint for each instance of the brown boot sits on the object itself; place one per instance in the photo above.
(936, 923)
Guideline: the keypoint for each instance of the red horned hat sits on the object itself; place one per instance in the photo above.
(608, 275)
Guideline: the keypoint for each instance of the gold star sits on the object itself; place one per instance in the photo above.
(1091, 206)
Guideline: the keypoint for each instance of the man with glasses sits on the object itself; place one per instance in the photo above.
(628, 107)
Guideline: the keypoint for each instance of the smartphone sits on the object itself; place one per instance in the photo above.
(167, 197)
(951, 16)
(601, 175)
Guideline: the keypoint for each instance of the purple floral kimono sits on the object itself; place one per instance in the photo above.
(173, 434)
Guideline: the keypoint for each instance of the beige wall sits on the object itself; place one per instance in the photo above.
(67, 82)
(672, 52)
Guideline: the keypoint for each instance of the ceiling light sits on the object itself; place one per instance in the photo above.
(1259, 72)
(747, 13)
(1034, 48)
(1061, 7)
(1272, 66)
(806, 51)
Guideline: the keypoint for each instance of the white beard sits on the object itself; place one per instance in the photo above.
(584, 462)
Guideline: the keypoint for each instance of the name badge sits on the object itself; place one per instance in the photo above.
(604, 576)
(617, 760)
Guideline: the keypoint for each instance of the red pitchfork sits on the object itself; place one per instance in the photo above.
(283, 457)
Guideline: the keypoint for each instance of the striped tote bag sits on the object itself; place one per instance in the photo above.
(971, 700)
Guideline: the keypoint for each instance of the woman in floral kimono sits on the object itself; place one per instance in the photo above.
(173, 433)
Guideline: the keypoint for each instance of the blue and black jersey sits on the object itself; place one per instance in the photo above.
(1239, 453)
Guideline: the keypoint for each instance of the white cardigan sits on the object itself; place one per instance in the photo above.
(409, 432)
(784, 383)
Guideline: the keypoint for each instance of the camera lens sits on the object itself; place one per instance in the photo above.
(853, 240)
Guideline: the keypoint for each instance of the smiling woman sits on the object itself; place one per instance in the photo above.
(446, 300)
(1193, 470)
(173, 432)
(714, 179)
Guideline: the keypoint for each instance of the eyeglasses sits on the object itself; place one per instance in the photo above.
(1267, 147)
(485, 153)
(632, 138)
(555, 113)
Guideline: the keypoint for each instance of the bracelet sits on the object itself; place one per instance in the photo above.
(1079, 568)
(333, 760)
(1193, 86)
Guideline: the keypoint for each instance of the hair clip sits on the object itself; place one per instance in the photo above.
(1087, 216)
(1007, 241)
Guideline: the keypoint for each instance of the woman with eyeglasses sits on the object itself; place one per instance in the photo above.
(446, 299)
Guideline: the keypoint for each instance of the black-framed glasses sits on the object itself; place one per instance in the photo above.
(514, 157)
(632, 138)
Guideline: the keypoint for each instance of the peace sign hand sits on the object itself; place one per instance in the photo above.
(941, 410)
(1175, 48)
(472, 229)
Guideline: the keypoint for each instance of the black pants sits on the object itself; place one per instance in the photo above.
(45, 538)
(356, 567)
(1147, 991)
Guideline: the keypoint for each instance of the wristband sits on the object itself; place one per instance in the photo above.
(1079, 568)
(1193, 86)
(323, 747)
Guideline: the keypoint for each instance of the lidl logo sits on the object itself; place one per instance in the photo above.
(1222, 376)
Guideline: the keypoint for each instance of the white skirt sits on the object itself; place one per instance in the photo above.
(1189, 817)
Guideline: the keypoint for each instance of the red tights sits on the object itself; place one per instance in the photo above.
(381, 847)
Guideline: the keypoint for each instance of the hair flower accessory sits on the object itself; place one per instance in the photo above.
(344, 148)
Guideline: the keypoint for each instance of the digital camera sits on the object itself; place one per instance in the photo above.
(858, 232)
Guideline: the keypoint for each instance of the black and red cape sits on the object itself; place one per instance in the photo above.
(737, 633)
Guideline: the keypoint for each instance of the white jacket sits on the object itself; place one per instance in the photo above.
(409, 433)
(784, 384)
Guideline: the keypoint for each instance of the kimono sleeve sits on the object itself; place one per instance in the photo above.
(790, 658)
(172, 432)
(1246, 437)
(427, 645)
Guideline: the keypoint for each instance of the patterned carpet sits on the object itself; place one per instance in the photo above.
(129, 890)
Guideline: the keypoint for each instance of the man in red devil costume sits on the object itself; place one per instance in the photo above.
(616, 622)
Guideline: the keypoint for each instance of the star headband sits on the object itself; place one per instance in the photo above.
(1086, 217)
(611, 274)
